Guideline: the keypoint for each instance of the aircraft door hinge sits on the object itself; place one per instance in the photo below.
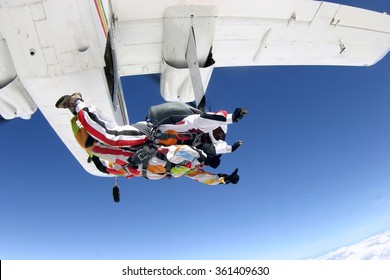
(292, 19)
(342, 47)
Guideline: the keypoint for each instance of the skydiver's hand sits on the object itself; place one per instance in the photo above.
(232, 178)
(239, 113)
(236, 145)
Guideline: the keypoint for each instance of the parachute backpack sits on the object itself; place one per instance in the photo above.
(171, 113)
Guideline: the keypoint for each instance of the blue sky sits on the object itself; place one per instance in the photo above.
(314, 167)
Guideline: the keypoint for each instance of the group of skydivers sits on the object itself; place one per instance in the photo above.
(175, 140)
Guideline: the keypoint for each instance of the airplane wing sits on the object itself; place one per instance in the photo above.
(49, 48)
(243, 33)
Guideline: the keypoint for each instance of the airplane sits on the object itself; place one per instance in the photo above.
(50, 48)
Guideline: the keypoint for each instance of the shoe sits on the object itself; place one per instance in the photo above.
(69, 101)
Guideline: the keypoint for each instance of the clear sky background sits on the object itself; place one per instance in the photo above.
(314, 167)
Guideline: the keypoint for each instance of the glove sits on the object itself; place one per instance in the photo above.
(232, 178)
(236, 145)
(239, 113)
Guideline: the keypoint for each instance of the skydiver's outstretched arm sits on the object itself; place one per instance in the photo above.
(196, 122)
(209, 178)
(206, 122)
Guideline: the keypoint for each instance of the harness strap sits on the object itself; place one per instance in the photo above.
(145, 164)
(168, 165)
(168, 168)
(179, 136)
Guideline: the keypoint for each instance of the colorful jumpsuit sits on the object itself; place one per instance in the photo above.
(183, 156)
(115, 155)
(114, 161)
(105, 130)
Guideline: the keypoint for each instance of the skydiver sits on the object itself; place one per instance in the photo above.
(101, 127)
(102, 137)
(151, 162)
(161, 166)
(119, 159)
(172, 161)
(123, 156)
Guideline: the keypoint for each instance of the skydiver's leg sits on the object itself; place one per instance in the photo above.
(100, 126)
(115, 155)
(108, 167)
(104, 129)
